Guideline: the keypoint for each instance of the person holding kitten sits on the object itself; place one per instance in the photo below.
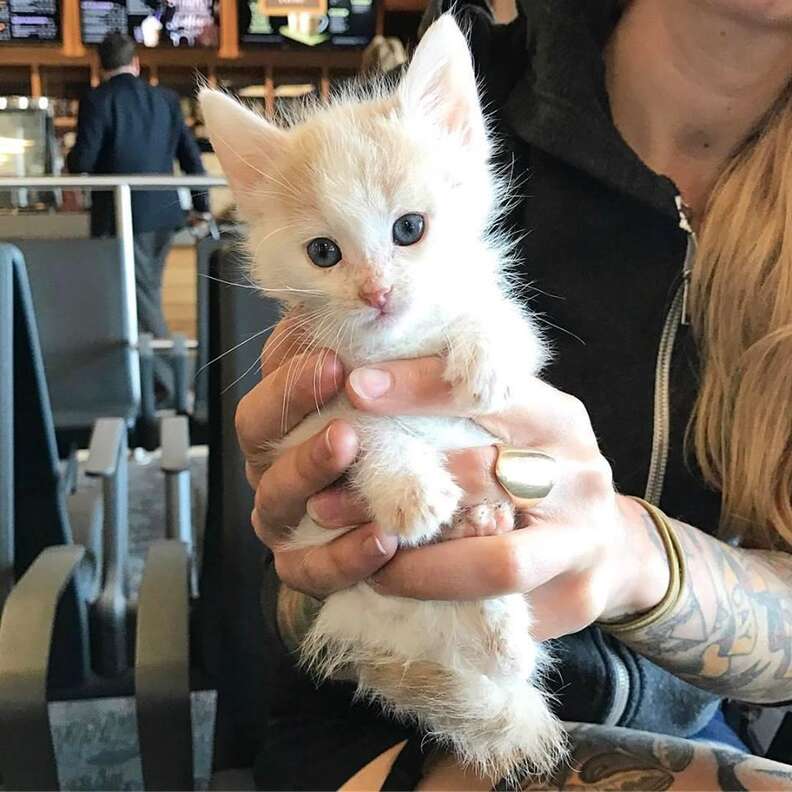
(650, 142)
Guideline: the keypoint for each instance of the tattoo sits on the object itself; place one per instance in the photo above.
(731, 631)
(605, 757)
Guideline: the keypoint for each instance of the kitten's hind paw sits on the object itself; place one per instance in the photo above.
(486, 519)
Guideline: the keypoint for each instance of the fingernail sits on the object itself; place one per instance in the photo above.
(316, 508)
(324, 449)
(380, 546)
(370, 383)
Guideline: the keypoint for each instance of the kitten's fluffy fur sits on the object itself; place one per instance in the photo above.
(466, 670)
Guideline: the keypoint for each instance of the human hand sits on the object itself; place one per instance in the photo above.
(582, 554)
(282, 487)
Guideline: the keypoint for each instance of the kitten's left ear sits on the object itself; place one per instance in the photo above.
(440, 84)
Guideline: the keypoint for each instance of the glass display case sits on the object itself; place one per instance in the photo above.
(27, 148)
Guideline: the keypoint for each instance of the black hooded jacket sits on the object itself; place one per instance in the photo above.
(604, 254)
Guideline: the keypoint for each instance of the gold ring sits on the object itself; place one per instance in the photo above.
(528, 476)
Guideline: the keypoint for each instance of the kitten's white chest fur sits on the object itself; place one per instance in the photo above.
(371, 218)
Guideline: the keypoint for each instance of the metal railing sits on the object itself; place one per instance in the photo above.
(121, 186)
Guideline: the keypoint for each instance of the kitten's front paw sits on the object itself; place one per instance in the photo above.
(480, 376)
(416, 509)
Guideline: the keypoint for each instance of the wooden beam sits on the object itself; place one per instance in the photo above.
(35, 81)
(229, 29)
(72, 35)
(324, 83)
(269, 92)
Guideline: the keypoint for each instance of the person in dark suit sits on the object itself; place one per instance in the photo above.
(127, 126)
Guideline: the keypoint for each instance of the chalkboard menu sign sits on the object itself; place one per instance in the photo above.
(307, 23)
(29, 21)
(152, 23)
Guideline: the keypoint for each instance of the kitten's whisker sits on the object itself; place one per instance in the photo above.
(256, 362)
(289, 290)
(233, 348)
(255, 287)
(322, 358)
(224, 282)
(272, 234)
(291, 379)
(318, 337)
(294, 330)
(237, 346)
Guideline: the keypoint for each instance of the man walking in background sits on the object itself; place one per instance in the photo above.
(127, 126)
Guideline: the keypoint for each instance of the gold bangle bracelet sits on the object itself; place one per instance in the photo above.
(676, 583)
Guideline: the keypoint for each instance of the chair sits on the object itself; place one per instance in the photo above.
(47, 598)
(35, 492)
(65, 571)
(84, 302)
(205, 251)
(96, 363)
(227, 612)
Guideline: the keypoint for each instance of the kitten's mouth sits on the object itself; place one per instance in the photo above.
(386, 315)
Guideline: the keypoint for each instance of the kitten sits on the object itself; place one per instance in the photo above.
(372, 217)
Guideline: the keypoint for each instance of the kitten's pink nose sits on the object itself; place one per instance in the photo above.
(375, 296)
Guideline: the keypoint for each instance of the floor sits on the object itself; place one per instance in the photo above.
(179, 290)
(96, 741)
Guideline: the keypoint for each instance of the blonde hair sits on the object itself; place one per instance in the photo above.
(741, 305)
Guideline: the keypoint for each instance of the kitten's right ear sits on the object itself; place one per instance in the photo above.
(245, 143)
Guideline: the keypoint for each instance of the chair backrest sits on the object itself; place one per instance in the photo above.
(39, 517)
(82, 299)
(232, 629)
(204, 250)
(7, 255)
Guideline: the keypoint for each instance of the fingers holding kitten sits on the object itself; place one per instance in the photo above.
(288, 338)
(347, 560)
(280, 401)
(297, 474)
(485, 507)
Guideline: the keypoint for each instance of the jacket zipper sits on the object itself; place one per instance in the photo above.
(620, 680)
(677, 315)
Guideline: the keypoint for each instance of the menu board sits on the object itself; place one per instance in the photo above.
(152, 23)
(29, 21)
(100, 17)
(307, 23)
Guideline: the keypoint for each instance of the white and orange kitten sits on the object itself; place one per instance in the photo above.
(370, 218)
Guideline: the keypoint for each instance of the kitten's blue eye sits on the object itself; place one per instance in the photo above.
(408, 229)
(323, 252)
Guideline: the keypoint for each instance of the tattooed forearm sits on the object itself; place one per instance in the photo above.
(606, 757)
(731, 631)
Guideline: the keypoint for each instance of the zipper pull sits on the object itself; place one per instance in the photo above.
(690, 256)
